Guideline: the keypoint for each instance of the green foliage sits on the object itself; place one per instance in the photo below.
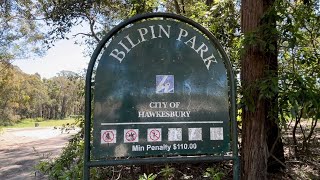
(9, 94)
(99, 16)
(28, 96)
(297, 80)
(167, 172)
(213, 174)
(70, 164)
(299, 68)
(21, 34)
(25, 123)
(147, 177)
(221, 18)
(143, 6)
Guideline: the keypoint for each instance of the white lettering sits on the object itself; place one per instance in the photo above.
(182, 33)
(152, 32)
(208, 61)
(152, 105)
(119, 55)
(131, 43)
(174, 104)
(202, 50)
(137, 148)
(124, 46)
(157, 114)
(161, 29)
(158, 104)
(141, 114)
(142, 34)
(192, 41)
(164, 147)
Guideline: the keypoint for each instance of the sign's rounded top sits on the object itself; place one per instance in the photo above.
(164, 16)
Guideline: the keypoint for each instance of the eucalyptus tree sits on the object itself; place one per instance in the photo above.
(20, 37)
(9, 95)
(61, 101)
(256, 61)
(33, 95)
(20, 34)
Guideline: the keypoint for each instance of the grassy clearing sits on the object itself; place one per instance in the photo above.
(42, 123)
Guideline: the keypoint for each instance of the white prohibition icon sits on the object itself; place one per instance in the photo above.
(154, 135)
(216, 133)
(131, 135)
(174, 134)
(195, 134)
(108, 136)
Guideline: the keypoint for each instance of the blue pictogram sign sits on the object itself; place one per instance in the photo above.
(165, 84)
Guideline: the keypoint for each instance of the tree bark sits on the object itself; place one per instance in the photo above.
(274, 141)
(209, 2)
(254, 146)
(256, 63)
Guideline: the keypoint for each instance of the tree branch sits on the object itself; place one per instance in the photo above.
(284, 165)
(183, 10)
(92, 31)
(91, 24)
(85, 34)
(177, 7)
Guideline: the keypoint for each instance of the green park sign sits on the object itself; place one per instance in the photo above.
(163, 89)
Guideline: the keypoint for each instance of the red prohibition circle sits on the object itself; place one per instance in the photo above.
(131, 135)
(154, 135)
(108, 136)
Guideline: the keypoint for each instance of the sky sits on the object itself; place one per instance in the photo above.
(65, 55)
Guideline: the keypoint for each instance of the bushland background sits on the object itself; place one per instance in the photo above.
(273, 46)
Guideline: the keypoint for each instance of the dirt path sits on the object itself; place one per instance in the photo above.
(22, 148)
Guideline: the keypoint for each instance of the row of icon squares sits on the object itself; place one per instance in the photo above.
(155, 135)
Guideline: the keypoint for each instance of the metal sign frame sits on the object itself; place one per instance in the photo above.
(88, 163)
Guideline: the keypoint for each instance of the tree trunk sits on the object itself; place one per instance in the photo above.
(275, 147)
(274, 141)
(257, 63)
(209, 2)
(64, 107)
(254, 146)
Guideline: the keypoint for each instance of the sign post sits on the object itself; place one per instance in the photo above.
(164, 91)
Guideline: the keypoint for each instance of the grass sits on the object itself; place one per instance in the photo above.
(42, 123)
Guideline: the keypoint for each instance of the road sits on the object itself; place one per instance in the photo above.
(22, 148)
